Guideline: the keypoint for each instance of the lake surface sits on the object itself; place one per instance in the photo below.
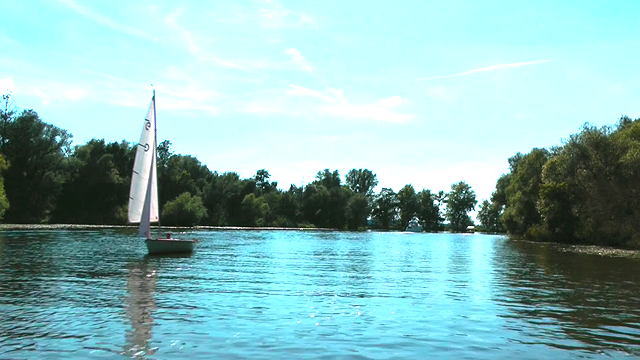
(292, 294)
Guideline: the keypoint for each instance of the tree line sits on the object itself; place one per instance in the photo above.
(586, 191)
(46, 180)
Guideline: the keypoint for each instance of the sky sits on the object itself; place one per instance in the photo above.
(426, 93)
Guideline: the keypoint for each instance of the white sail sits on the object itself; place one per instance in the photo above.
(143, 196)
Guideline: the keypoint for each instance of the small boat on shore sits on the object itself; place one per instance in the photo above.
(143, 195)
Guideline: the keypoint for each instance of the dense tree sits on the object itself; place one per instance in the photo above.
(315, 205)
(362, 181)
(585, 191)
(184, 210)
(223, 197)
(288, 212)
(589, 190)
(4, 202)
(522, 191)
(254, 210)
(182, 173)
(324, 200)
(441, 201)
(7, 113)
(325, 206)
(460, 201)
(262, 182)
(34, 151)
(385, 208)
(97, 183)
(91, 184)
(356, 211)
(489, 216)
(429, 212)
(408, 205)
(328, 179)
(164, 153)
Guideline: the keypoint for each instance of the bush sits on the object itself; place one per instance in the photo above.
(184, 210)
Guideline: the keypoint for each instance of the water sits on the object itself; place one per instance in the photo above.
(289, 294)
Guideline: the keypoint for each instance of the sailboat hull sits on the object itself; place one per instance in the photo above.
(169, 246)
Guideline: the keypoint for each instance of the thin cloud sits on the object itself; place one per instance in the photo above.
(335, 103)
(193, 47)
(273, 15)
(331, 96)
(299, 60)
(106, 21)
(487, 68)
(45, 90)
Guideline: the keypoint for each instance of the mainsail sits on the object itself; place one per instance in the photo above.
(143, 196)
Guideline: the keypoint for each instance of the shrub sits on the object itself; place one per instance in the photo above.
(184, 210)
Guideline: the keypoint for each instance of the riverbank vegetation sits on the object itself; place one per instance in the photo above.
(586, 191)
(46, 180)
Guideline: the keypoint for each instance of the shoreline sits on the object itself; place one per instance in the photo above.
(586, 249)
(92, 227)
(562, 247)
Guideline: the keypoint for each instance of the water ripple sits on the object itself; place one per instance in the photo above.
(266, 294)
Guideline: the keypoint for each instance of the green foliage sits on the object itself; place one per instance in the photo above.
(4, 202)
(328, 179)
(254, 210)
(288, 210)
(522, 190)
(163, 151)
(356, 212)
(45, 181)
(362, 181)
(489, 216)
(324, 201)
(590, 190)
(184, 210)
(461, 200)
(97, 184)
(586, 191)
(182, 174)
(223, 197)
(262, 182)
(407, 204)
(385, 208)
(429, 211)
(316, 205)
(34, 151)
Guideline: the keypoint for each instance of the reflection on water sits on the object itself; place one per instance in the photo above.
(288, 294)
(140, 304)
(562, 296)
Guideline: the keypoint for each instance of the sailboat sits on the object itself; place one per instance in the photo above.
(143, 195)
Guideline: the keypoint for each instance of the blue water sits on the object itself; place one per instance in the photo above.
(292, 294)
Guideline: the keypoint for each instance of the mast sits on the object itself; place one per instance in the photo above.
(154, 162)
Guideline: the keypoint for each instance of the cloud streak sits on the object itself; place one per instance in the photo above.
(299, 60)
(334, 103)
(486, 69)
(106, 21)
(194, 48)
(272, 15)
(45, 90)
